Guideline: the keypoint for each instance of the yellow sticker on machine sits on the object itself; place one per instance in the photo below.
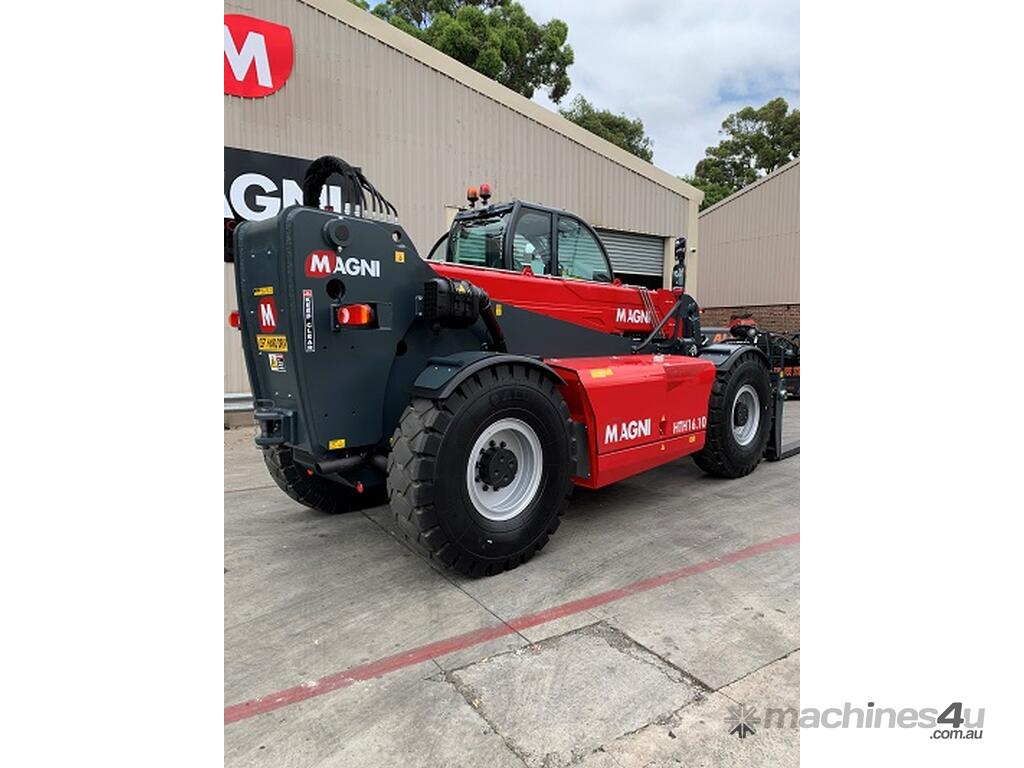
(272, 343)
(334, 445)
(266, 290)
(601, 373)
(400, 257)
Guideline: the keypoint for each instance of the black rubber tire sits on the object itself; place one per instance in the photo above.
(722, 456)
(310, 490)
(426, 470)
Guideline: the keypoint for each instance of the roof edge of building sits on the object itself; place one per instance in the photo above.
(379, 29)
(753, 185)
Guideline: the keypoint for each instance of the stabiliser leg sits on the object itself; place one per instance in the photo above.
(776, 450)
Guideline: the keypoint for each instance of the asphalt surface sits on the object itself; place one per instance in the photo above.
(660, 606)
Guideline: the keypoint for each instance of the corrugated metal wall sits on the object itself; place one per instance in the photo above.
(634, 254)
(750, 244)
(422, 137)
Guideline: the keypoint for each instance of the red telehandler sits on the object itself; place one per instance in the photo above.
(478, 387)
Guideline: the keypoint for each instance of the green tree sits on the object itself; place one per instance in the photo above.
(757, 142)
(618, 129)
(361, 3)
(495, 37)
(713, 191)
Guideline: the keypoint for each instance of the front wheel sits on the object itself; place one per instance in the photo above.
(479, 480)
(739, 420)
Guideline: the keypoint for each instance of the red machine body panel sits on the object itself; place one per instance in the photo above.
(602, 307)
(641, 411)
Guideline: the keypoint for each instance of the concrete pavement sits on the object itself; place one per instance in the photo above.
(645, 679)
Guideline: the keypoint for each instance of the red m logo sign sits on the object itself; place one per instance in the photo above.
(258, 56)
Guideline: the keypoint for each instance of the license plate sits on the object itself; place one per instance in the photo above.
(272, 343)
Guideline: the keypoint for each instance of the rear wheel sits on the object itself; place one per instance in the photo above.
(312, 491)
(479, 480)
(739, 420)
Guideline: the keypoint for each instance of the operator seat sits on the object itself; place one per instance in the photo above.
(492, 253)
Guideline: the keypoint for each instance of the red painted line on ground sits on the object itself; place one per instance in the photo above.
(413, 656)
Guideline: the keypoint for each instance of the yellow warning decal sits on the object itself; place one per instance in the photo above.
(400, 257)
(497, 310)
(601, 373)
(693, 438)
(266, 290)
(272, 343)
(334, 445)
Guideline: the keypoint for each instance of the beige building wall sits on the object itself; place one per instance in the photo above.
(423, 127)
(750, 244)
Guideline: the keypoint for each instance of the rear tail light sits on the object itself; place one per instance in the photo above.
(234, 320)
(355, 314)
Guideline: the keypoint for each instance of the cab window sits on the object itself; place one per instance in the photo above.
(579, 253)
(478, 242)
(531, 242)
(440, 249)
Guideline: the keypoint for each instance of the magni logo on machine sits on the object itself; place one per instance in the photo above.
(627, 430)
(327, 263)
(267, 314)
(632, 315)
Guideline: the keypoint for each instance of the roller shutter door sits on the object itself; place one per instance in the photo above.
(634, 254)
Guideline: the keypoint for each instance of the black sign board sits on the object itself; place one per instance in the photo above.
(257, 185)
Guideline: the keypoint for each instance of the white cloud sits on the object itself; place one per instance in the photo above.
(681, 67)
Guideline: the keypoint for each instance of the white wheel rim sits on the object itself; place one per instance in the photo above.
(506, 503)
(746, 399)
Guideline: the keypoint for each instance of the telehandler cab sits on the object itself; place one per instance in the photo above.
(478, 387)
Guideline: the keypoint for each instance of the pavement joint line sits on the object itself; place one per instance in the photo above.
(244, 490)
(467, 693)
(701, 698)
(696, 682)
(445, 575)
(413, 656)
(744, 676)
(664, 720)
(529, 645)
(723, 693)
(667, 721)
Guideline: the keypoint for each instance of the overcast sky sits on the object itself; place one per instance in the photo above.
(680, 66)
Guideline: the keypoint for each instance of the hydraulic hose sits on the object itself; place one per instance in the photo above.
(354, 187)
(668, 316)
(493, 327)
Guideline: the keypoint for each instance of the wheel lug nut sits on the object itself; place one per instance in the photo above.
(502, 443)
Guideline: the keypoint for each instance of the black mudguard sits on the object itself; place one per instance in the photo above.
(724, 356)
(443, 375)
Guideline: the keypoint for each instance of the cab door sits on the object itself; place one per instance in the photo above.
(579, 253)
(530, 244)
